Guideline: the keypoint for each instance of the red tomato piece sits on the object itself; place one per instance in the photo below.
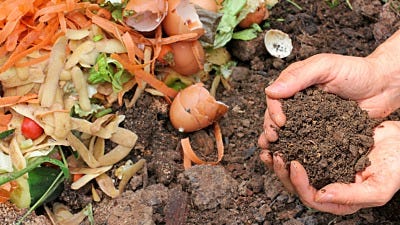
(30, 129)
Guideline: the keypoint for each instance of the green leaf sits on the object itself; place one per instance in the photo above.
(6, 177)
(247, 34)
(40, 179)
(6, 133)
(108, 70)
(229, 21)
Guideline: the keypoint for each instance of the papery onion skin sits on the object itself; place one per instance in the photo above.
(189, 57)
(194, 109)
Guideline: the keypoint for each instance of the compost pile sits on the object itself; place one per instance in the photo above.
(240, 189)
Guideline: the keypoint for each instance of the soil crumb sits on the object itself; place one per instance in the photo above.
(328, 135)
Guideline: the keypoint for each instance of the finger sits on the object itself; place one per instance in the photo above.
(282, 172)
(364, 194)
(386, 129)
(302, 74)
(275, 111)
(270, 129)
(262, 141)
(266, 158)
(306, 192)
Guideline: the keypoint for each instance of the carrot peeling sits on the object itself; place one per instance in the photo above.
(190, 156)
(147, 77)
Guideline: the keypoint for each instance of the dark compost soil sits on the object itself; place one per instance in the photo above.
(329, 136)
(240, 190)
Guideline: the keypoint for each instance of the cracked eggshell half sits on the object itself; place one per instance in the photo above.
(278, 43)
(194, 109)
(182, 18)
(189, 57)
(147, 14)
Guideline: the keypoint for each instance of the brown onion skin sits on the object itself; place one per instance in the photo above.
(255, 17)
(189, 57)
(194, 109)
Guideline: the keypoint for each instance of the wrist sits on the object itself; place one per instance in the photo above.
(384, 61)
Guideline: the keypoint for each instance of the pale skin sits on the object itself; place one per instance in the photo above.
(374, 83)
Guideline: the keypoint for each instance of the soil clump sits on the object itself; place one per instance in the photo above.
(328, 135)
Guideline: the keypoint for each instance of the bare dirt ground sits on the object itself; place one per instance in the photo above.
(240, 190)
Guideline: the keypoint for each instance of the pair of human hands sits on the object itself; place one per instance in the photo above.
(375, 84)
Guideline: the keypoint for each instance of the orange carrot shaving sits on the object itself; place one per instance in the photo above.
(147, 77)
(190, 156)
(76, 177)
(13, 100)
(129, 45)
(60, 7)
(5, 119)
(78, 19)
(102, 12)
(31, 25)
(63, 22)
(176, 38)
(6, 190)
(27, 97)
(109, 26)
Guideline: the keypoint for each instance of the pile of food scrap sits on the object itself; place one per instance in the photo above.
(63, 64)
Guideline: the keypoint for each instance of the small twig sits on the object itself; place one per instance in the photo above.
(349, 4)
(295, 4)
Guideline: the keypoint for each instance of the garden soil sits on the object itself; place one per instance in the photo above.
(240, 189)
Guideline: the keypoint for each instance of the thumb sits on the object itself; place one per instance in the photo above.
(365, 194)
(302, 74)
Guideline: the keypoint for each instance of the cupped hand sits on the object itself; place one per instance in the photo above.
(374, 186)
(362, 79)
(372, 81)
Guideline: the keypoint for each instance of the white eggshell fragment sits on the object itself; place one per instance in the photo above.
(278, 43)
(182, 18)
(148, 14)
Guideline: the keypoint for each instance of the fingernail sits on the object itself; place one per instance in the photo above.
(293, 164)
(275, 87)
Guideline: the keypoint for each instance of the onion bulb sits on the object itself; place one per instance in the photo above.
(194, 108)
(189, 57)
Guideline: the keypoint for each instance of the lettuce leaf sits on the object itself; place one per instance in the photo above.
(233, 12)
(108, 70)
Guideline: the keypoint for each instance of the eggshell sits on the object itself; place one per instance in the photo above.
(210, 5)
(194, 108)
(257, 17)
(189, 57)
(278, 43)
(148, 14)
(182, 18)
